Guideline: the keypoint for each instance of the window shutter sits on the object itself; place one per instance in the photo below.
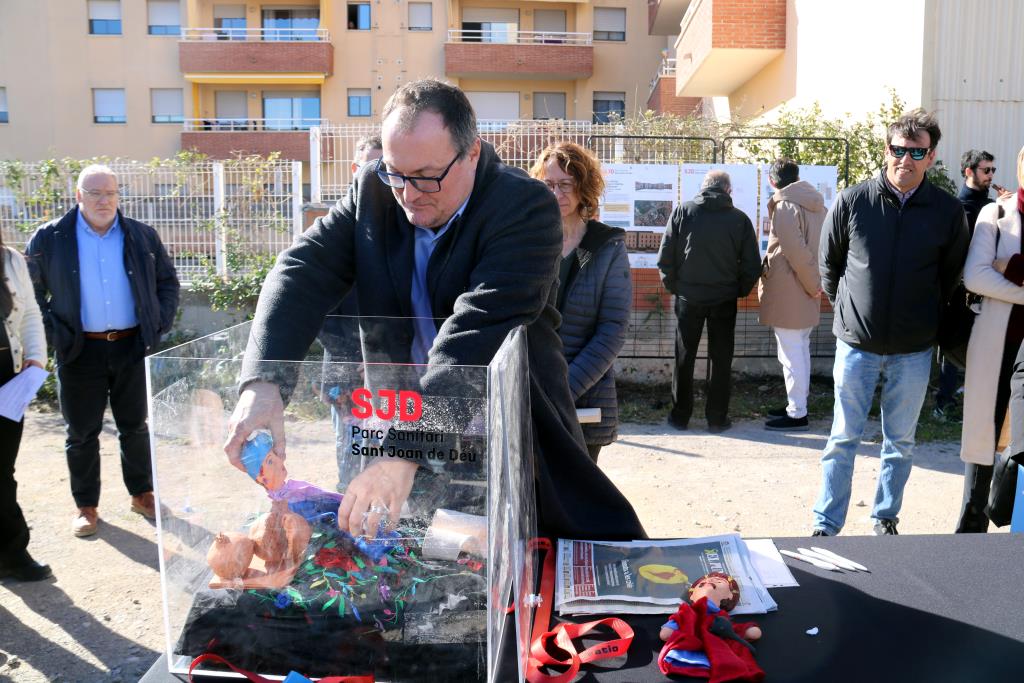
(611, 19)
(108, 102)
(105, 9)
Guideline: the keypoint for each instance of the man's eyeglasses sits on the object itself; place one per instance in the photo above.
(986, 169)
(96, 195)
(423, 184)
(563, 186)
(916, 153)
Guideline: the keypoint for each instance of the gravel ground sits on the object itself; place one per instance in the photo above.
(101, 618)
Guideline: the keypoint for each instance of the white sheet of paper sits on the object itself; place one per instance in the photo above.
(19, 392)
(769, 564)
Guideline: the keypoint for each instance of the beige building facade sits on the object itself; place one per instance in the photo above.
(145, 78)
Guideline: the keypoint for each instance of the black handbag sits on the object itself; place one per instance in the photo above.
(1004, 488)
(957, 319)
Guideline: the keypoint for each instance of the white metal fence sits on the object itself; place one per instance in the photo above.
(256, 34)
(503, 36)
(206, 212)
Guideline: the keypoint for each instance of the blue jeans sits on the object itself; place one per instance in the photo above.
(856, 373)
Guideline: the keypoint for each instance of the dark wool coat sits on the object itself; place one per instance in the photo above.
(595, 316)
(493, 270)
(52, 257)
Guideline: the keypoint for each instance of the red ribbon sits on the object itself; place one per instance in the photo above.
(563, 634)
(217, 659)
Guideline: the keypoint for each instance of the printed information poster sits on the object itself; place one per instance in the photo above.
(742, 176)
(639, 196)
(823, 178)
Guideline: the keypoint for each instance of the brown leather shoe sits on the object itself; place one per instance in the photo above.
(145, 505)
(85, 523)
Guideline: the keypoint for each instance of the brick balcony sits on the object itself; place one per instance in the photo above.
(253, 56)
(227, 144)
(663, 99)
(518, 60)
(724, 43)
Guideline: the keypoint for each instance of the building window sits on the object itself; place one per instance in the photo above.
(421, 16)
(105, 17)
(609, 23)
(108, 105)
(549, 105)
(359, 102)
(291, 110)
(494, 106)
(359, 16)
(291, 24)
(608, 103)
(229, 22)
(231, 110)
(3, 106)
(168, 106)
(164, 18)
(489, 25)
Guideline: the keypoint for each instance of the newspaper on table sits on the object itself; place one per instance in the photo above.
(650, 577)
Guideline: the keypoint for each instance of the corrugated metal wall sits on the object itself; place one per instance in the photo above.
(978, 80)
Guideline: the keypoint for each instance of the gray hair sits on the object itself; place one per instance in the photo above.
(716, 180)
(95, 169)
(449, 102)
(366, 144)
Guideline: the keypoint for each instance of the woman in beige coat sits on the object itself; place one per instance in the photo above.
(790, 286)
(994, 269)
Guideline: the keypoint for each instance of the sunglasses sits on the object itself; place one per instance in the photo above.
(990, 169)
(916, 153)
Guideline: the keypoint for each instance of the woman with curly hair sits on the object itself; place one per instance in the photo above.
(595, 291)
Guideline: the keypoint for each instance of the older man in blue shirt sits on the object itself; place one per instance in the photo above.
(107, 290)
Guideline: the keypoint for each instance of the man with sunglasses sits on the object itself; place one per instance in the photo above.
(891, 253)
(439, 229)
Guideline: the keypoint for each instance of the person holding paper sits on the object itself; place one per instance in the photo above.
(22, 344)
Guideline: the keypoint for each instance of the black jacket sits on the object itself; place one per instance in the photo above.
(52, 256)
(493, 270)
(888, 270)
(709, 253)
(973, 201)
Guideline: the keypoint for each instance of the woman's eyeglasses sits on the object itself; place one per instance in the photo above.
(563, 186)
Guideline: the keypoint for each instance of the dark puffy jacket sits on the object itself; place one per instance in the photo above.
(595, 316)
(887, 270)
(709, 253)
(52, 256)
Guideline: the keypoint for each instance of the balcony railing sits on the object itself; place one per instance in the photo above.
(503, 37)
(667, 69)
(299, 35)
(233, 125)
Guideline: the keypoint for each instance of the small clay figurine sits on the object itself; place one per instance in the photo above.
(702, 641)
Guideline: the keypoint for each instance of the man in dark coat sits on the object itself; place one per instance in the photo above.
(441, 229)
(708, 259)
(107, 290)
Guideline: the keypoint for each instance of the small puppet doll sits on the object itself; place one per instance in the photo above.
(702, 641)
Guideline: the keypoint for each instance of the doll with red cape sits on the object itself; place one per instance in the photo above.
(703, 642)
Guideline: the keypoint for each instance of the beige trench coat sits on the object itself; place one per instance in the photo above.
(985, 349)
(789, 276)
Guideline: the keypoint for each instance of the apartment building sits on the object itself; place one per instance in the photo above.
(748, 58)
(144, 78)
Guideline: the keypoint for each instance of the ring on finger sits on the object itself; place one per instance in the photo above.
(378, 509)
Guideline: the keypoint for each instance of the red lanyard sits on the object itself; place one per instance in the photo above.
(260, 679)
(563, 634)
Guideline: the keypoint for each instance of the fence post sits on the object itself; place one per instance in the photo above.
(219, 216)
(297, 226)
(314, 165)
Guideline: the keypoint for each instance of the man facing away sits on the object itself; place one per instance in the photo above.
(892, 250)
(978, 169)
(440, 230)
(790, 287)
(108, 291)
(708, 259)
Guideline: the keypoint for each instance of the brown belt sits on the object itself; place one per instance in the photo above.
(112, 335)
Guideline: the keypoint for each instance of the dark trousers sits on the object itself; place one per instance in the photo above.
(949, 382)
(978, 478)
(721, 322)
(105, 370)
(13, 529)
(594, 450)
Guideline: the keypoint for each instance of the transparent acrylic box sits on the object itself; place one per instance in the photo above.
(423, 601)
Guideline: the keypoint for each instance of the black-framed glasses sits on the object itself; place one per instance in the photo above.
(423, 184)
(916, 153)
(986, 169)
